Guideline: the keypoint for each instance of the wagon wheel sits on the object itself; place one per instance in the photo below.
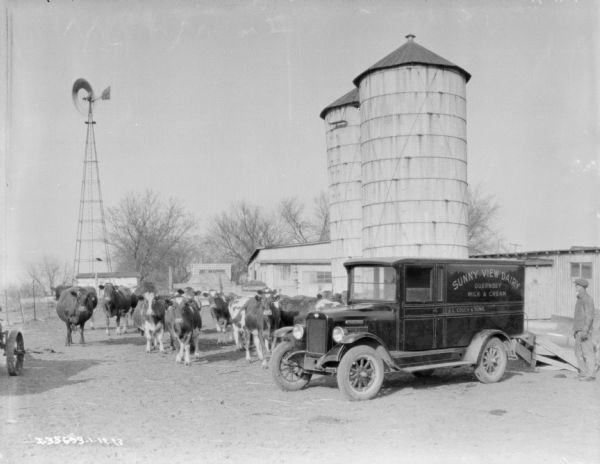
(15, 352)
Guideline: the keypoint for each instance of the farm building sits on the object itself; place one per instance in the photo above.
(298, 269)
(124, 279)
(209, 276)
(549, 276)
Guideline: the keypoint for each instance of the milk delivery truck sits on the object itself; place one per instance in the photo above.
(412, 315)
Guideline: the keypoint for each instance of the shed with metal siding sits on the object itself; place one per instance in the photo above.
(549, 276)
(297, 269)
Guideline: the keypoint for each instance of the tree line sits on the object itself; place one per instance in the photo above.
(150, 235)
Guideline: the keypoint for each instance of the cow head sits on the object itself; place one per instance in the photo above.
(85, 301)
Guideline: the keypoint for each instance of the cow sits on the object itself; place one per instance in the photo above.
(219, 309)
(74, 307)
(295, 309)
(117, 302)
(236, 306)
(272, 318)
(187, 323)
(154, 314)
(249, 318)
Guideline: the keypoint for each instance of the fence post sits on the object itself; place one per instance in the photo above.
(21, 307)
(6, 306)
(33, 291)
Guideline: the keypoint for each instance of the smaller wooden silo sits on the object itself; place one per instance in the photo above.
(342, 129)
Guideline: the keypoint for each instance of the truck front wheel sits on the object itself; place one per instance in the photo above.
(287, 370)
(492, 362)
(360, 373)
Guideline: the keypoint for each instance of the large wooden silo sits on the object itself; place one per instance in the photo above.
(414, 155)
(342, 128)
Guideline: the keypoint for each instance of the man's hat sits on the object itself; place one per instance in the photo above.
(582, 282)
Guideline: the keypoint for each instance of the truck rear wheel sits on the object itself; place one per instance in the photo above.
(286, 370)
(360, 373)
(492, 362)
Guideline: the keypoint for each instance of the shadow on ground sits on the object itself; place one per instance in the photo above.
(41, 375)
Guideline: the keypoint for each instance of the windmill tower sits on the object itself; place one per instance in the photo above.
(91, 247)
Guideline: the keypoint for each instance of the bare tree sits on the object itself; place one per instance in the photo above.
(321, 222)
(299, 229)
(49, 273)
(151, 235)
(295, 227)
(483, 209)
(234, 235)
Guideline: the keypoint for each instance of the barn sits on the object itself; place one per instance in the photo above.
(298, 269)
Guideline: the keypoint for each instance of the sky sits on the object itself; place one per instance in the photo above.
(214, 102)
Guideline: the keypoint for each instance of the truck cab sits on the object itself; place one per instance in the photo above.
(412, 315)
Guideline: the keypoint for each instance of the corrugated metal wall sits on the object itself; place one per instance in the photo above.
(549, 290)
(345, 196)
(414, 162)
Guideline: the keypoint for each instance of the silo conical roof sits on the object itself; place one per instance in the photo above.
(411, 53)
(349, 99)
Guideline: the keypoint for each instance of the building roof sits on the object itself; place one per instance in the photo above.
(349, 99)
(394, 260)
(104, 275)
(291, 245)
(411, 53)
(529, 254)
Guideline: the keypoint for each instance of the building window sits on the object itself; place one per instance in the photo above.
(323, 277)
(317, 277)
(285, 272)
(581, 270)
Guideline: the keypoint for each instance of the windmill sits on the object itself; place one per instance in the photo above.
(91, 247)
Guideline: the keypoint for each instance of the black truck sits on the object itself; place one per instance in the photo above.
(411, 315)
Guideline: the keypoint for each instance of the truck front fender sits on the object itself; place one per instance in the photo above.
(357, 338)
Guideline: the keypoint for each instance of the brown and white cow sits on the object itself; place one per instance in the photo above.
(117, 302)
(154, 309)
(250, 320)
(187, 323)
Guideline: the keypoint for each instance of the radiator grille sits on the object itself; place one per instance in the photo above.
(316, 335)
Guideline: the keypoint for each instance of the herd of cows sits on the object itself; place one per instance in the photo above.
(245, 319)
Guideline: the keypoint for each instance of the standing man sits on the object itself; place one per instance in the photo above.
(582, 331)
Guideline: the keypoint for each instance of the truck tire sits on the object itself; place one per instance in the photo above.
(492, 361)
(15, 352)
(287, 370)
(360, 373)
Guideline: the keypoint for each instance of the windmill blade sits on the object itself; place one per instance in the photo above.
(82, 90)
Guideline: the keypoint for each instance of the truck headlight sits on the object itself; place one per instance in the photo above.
(298, 331)
(339, 333)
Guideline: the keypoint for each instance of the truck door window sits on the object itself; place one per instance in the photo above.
(419, 284)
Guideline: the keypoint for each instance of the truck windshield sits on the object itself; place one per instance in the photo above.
(373, 283)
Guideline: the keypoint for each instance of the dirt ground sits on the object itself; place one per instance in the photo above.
(109, 401)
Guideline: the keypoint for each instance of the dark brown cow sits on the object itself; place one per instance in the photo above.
(74, 307)
(219, 309)
(117, 302)
(187, 323)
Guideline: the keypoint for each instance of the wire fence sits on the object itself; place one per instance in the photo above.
(19, 310)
